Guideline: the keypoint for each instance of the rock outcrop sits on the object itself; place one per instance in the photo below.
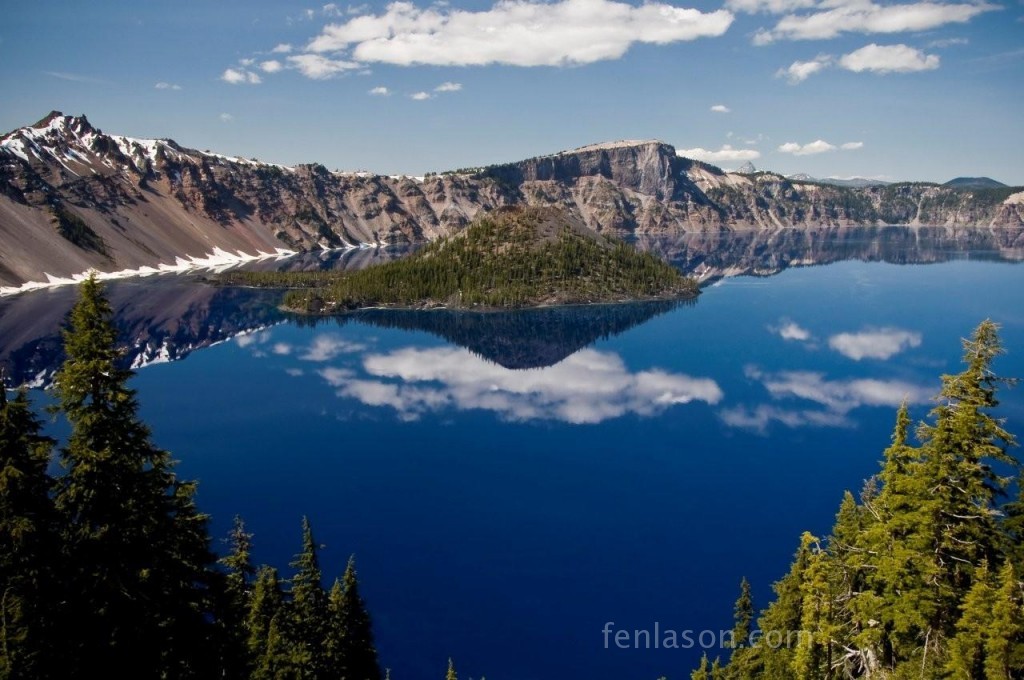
(73, 198)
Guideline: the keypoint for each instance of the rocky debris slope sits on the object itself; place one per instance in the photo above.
(74, 198)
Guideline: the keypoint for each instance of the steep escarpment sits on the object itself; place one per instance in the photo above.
(73, 198)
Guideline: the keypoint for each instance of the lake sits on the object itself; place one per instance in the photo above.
(512, 484)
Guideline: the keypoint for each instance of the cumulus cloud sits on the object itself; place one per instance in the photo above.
(760, 417)
(880, 343)
(851, 146)
(420, 96)
(282, 48)
(448, 87)
(721, 108)
(888, 59)
(282, 348)
(167, 86)
(227, 118)
(518, 33)
(271, 66)
(240, 76)
(725, 154)
(809, 149)
(328, 346)
(319, 67)
(588, 387)
(769, 6)
(864, 16)
(792, 331)
(799, 71)
(380, 91)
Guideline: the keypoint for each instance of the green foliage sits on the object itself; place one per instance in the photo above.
(512, 258)
(27, 546)
(135, 548)
(743, 616)
(106, 570)
(74, 229)
(918, 579)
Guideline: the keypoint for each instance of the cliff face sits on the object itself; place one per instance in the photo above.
(74, 198)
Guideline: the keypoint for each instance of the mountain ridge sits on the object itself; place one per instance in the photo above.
(74, 198)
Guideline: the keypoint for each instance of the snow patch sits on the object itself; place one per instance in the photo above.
(217, 261)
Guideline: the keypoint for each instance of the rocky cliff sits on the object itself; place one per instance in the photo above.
(74, 198)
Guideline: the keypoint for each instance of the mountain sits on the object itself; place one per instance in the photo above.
(849, 182)
(974, 183)
(73, 198)
(746, 169)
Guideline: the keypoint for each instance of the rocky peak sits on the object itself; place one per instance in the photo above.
(746, 169)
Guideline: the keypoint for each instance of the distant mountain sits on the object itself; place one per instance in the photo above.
(850, 182)
(746, 169)
(974, 183)
(73, 198)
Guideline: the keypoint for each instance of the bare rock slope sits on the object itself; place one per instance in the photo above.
(74, 198)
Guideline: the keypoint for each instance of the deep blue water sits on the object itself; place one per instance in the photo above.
(502, 517)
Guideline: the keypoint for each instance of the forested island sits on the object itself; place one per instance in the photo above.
(921, 576)
(512, 258)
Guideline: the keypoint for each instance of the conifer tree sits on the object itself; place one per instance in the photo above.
(27, 545)
(703, 671)
(237, 593)
(1004, 648)
(308, 608)
(136, 548)
(350, 641)
(967, 648)
(743, 616)
(265, 606)
(451, 674)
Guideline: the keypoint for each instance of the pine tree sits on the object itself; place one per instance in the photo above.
(350, 640)
(743, 616)
(451, 675)
(307, 630)
(27, 545)
(237, 593)
(1004, 648)
(138, 563)
(967, 648)
(265, 606)
(702, 672)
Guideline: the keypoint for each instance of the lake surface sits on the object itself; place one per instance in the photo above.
(510, 483)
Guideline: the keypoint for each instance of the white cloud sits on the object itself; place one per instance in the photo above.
(880, 343)
(761, 416)
(331, 10)
(770, 6)
(588, 387)
(271, 66)
(839, 396)
(282, 348)
(420, 96)
(448, 87)
(792, 331)
(864, 16)
(167, 86)
(282, 48)
(815, 147)
(721, 108)
(516, 32)
(227, 118)
(888, 59)
(319, 67)
(851, 146)
(725, 154)
(240, 76)
(799, 71)
(948, 42)
(327, 346)
(247, 62)
(380, 91)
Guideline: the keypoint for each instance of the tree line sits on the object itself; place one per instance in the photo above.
(922, 575)
(106, 567)
(508, 259)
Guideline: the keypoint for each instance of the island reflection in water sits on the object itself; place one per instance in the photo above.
(165, 318)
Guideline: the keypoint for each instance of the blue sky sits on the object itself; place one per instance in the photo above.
(922, 90)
